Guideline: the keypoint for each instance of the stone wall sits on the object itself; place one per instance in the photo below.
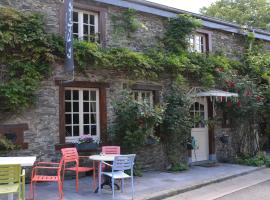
(228, 43)
(146, 36)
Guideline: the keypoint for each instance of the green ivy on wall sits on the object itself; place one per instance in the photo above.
(125, 23)
(26, 52)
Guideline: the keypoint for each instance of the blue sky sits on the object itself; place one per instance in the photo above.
(189, 5)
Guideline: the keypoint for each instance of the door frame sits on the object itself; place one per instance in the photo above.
(211, 135)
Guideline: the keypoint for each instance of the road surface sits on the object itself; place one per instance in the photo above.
(253, 186)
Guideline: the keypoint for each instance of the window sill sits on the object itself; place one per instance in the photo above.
(59, 146)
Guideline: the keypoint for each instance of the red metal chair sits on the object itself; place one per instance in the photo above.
(70, 155)
(111, 150)
(36, 177)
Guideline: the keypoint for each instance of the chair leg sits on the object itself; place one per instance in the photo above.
(122, 185)
(31, 191)
(132, 185)
(64, 169)
(77, 181)
(60, 189)
(19, 193)
(113, 188)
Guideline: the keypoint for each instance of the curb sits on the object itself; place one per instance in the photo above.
(169, 193)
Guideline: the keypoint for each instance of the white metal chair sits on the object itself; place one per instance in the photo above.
(120, 165)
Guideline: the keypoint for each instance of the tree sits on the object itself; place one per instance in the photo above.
(254, 13)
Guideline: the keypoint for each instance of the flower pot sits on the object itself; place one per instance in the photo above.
(86, 146)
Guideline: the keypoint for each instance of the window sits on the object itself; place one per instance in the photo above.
(85, 26)
(144, 95)
(197, 113)
(197, 43)
(81, 113)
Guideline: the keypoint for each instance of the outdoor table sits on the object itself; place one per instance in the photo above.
(27, 161)
(100, 158)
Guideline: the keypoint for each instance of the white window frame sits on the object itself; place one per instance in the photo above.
(194, 47)
(80, 23)
(81, 124)
(140, 94)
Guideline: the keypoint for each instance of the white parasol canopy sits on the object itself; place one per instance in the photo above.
(216, 93)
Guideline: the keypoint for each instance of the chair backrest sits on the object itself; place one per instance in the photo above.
(123, 162)
(111, 150)
(10, 174)
(70, 155)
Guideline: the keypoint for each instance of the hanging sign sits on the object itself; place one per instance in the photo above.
(69, 60)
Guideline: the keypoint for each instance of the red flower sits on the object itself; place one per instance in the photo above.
(238, 104)
(229, 104)
(259, 98)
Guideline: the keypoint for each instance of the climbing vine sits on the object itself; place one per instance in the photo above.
(26, 52)
(125, 23)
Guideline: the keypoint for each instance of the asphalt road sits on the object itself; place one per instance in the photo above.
(260, 191)
(253, 186)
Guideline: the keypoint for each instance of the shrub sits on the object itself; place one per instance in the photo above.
(134, 122)
(260, 159)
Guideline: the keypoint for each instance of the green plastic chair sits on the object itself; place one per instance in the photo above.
(12, 180)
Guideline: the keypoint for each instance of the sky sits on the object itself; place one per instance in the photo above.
(189, 5)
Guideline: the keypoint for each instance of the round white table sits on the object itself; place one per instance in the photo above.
(100, 158)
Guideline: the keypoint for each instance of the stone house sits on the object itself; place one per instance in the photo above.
(65, 111)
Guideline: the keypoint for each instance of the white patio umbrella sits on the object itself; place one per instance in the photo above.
(214, 94)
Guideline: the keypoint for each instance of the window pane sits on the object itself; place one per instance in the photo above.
(75, 95)
(201, 107)
(67, 95)
(75, 106)
(92, 30)
(75, 130)
(85, 29)
(75, 16)
(85, 38)
(68, 131)
(86, 119)
(85, 18)
(93, 106)
(68, 118)
(86, 130)
(93, 130)
(86, 95)
(67, 106)
(75, 118)
(93, 95)
(85, 107)
(93, 119)
(197, 106)
(92, 19)
(136, 96)
(75, 28)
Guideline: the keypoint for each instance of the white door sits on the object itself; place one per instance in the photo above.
(199, 131)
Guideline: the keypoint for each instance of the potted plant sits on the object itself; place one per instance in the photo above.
(86, 142)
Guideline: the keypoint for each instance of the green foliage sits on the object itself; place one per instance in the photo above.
(179, 167)
(176, 126)
(26, 51)
(136, 64)
(260, 159)
(177, 32)
(6, 145)
(126, 23)
(254, 13)
(135, 122)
